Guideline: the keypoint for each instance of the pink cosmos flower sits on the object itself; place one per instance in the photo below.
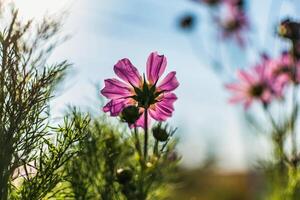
(283, 70)
(156, 97)
(253, 85)
(238, 4)
(234, 24)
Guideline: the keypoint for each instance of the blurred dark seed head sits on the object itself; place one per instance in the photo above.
(124, 176)
(211, 2)
(129, 189)
(296, 49)
(130, 114)
(257, 90)
(160, 133)
(294, 160)
(232, 25)
(238, 3)
(289, 29)
(187, 22)
(264, 56)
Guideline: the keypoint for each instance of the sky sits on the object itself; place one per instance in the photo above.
(105, 31)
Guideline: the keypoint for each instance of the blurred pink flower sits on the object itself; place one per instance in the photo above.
(234, 24)
(253, 85)
(141, 92)
(238, 4)
(283, 70)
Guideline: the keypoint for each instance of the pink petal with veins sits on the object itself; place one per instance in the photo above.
(169, 83)
(156, 65)
(115, 89)
(116, 106)
(127, 72)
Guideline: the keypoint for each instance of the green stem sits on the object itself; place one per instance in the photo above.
(155, 148)
(5, 168)
(146, 135)
(278, 138)
(270, 117)
(294, 114)
(292, 173)
(137, 142)
(293, 121)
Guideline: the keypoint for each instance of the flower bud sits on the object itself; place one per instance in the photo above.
(160, 133)
(130, 114)
(187, 22)
(294, 161)
(124, 176)
(211, 2)
(289, 29)
(172, 156)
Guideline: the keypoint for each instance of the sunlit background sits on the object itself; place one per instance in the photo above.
(106, 31)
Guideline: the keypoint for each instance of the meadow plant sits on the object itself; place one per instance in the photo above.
(233, 23)
(109, 165)
(27, 83)
(271, 82)
(50, 180)
(81, 157)
(137, 99)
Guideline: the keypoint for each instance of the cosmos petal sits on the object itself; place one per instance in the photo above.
(237, 99)
(164, 108)
(237, 87)
(245, 76)
(127, 72)
(116, 106)
(167, 99)
(156, 65)
(169, 83)
(248, 103)
(159, 114)
(114, 89)
(141, 121)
